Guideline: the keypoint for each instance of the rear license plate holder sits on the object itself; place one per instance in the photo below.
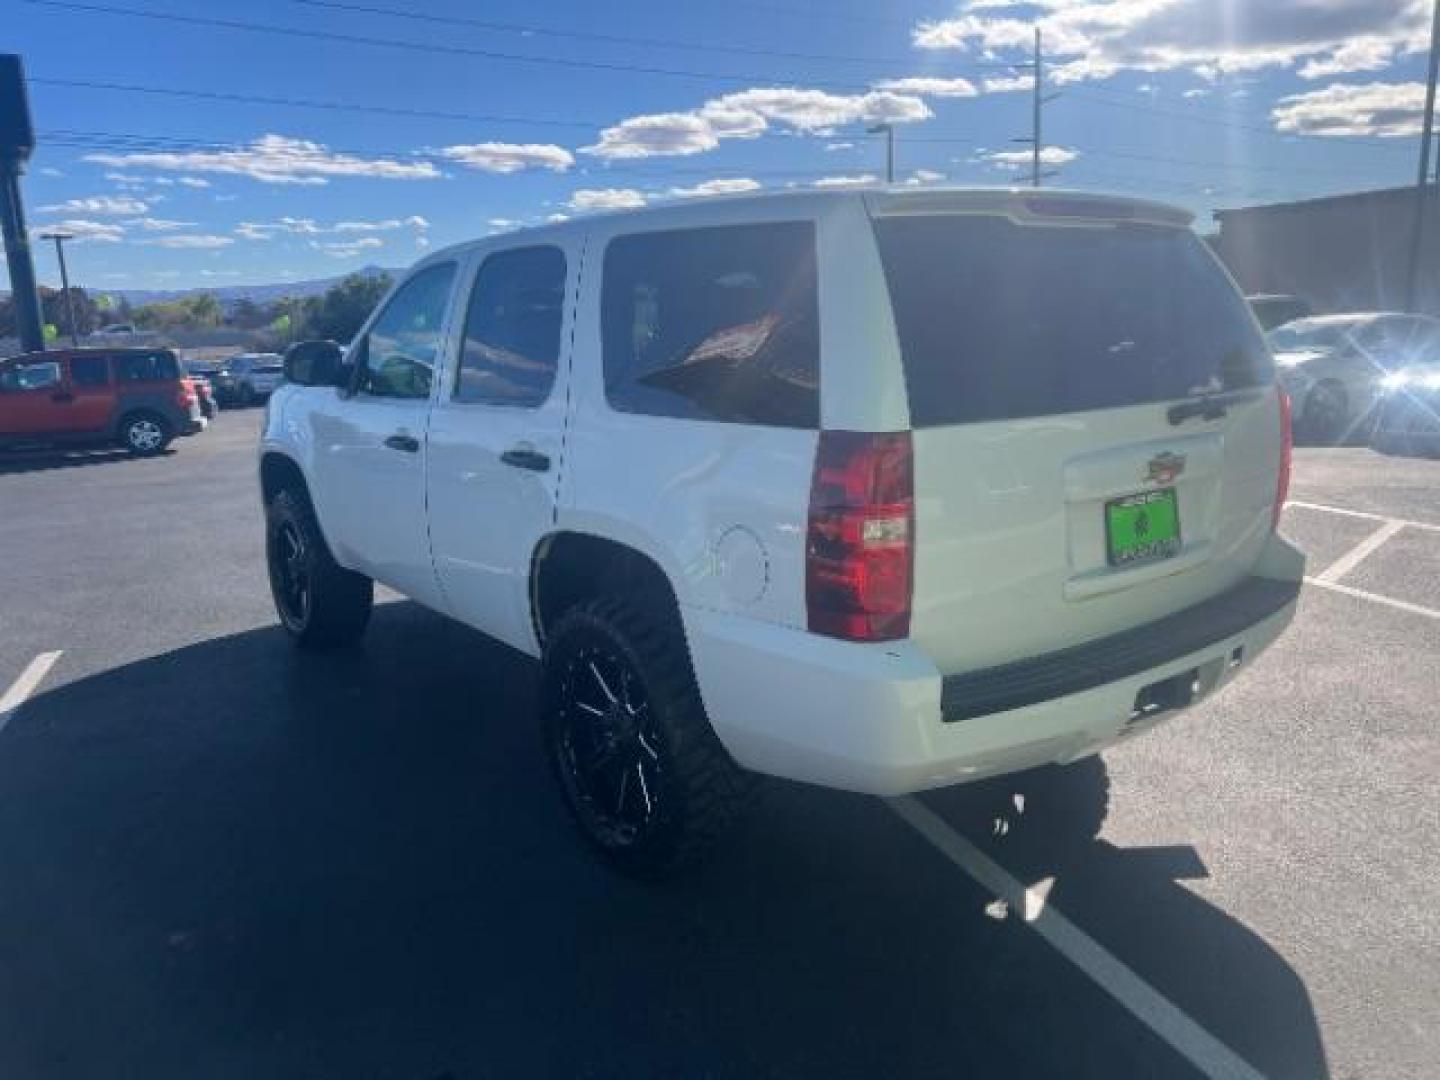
(1142, 528)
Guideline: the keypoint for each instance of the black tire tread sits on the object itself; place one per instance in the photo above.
(341, 600)
(711, 789)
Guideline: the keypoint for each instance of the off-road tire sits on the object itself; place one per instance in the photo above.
(338, 602)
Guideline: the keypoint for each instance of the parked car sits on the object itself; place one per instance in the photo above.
(880, 491)
(1408, 419)
(1276, 309)
(1332, 367)
(249, 378)
(201, 373)
(136, 398)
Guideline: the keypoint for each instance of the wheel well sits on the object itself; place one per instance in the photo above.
(570, 568)
(278, 473)
(134, 414)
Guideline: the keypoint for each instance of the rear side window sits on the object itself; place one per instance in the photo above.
(512, 330)
(999, 321)
(146, 367)
(714, 324)
(89, 371)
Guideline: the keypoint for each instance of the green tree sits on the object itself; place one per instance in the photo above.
(345, 306)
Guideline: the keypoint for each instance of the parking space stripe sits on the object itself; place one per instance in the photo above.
(1356, 555)
(1430, 526)
(1374, 598)
(21, 689)
(1185, 1036)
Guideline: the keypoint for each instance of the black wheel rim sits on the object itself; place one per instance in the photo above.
(291, 572)
(611, 754)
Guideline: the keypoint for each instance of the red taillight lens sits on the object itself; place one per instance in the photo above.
(185, 395)
(859, 548)
(1287, 447)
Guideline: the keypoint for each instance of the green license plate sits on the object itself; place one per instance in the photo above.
(1144, 527)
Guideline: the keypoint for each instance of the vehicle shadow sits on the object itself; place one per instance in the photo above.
(236, 860)
(28, 461)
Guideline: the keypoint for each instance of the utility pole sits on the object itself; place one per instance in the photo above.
(1425, 191)
(1039, 100)
(17, 142)
(60, 238)
(888, 130)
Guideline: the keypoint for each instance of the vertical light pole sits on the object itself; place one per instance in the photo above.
(1425, 192)
(888, 130)
(60, 238)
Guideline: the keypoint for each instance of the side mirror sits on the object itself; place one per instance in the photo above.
(314, 363)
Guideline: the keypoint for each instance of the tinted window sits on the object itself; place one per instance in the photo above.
(404, 342)
(999, 320)
(39, 375)
(714, 324)
(146, 367)
(512, 330)
(89, 371)
(268, 369)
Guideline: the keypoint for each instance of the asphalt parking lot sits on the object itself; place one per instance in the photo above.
(222, 859)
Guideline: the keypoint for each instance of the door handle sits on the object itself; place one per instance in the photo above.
(525, 458)
(405, 443)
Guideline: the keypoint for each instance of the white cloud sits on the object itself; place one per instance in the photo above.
(557, 219)
(606, 199)
(346, 249)
(930, 86)
(723, 185)
(51, 171)
(1006, 84)
(846, 181)
(265, 230)
(98, 231)
(747, 114)
(830, 148)
(925, 176)
(1094, 39)
(275, 159)
(1387, 110)
(505, 158)
(191, 241)
(422, 241)
(98, 204)
(386, 225)
(415, 221)
(1051, 155)
(500, 224)
(150, 224)
(250, 230)
(193, 181)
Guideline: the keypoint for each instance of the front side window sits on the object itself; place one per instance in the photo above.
(403, 345)
(714, 324)
(40, 375)
(89, 371)
(146, 367)
(512, 329)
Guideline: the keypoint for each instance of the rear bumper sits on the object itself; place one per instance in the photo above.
(882, 719)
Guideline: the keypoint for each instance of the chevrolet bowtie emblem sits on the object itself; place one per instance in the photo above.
(1165, 467)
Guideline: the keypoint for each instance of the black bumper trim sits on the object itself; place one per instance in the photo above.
(1083, 667)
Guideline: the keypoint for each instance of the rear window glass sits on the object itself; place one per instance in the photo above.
(714, 324)
(999, 321)
(146, 367)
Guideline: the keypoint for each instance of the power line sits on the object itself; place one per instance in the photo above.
(431, 48)
(611, 39)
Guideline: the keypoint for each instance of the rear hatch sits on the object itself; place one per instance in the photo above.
(1096, 429)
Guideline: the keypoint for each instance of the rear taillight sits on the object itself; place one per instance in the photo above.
(185, 395)
(1287, 445)
(859, 548)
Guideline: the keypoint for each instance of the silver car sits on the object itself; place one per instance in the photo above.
(249, 378)
(1332, 366)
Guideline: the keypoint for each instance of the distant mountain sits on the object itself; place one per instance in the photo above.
(229, 295)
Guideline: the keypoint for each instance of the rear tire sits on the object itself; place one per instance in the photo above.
(1326, 415)
(641, 770)
(145, 434)
(320, 603)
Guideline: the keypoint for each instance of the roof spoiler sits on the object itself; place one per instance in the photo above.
(1030, 206)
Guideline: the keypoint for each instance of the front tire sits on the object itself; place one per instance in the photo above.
(1326, 416)
(145, 434)
(319, 602)
(640, 767)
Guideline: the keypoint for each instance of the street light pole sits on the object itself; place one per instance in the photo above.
(889, 132)
(60, 238)
(1425, 192)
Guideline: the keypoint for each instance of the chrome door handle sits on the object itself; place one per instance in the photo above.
(406, 443)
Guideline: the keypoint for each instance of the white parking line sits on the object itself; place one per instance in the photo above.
(1431, 526)
(1374, 598)
(1198, 1046)
(1356, 555)
(21, 689)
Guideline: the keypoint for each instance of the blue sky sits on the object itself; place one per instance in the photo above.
(1206, 103)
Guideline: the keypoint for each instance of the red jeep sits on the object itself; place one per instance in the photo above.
(135, 397)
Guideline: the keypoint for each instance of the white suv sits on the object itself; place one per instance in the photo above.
(881, 491)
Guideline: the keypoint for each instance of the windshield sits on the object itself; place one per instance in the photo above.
(999, 320)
